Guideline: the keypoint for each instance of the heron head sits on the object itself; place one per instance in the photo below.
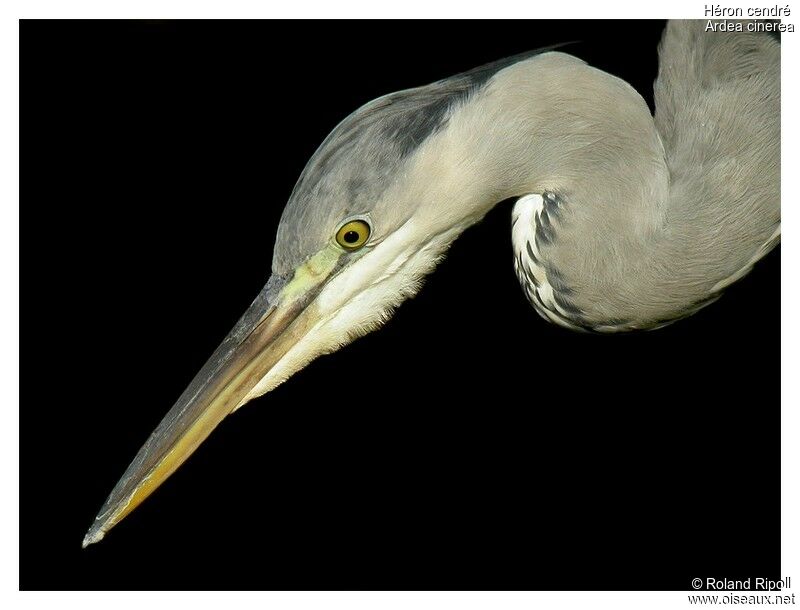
(366, 221)
(363, 225)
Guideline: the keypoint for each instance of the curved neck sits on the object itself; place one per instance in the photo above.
(553, 123)
(596, 144)
(635, 240)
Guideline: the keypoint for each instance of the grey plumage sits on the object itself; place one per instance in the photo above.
(707, 204)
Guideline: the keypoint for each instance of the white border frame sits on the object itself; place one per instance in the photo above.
(163, 9)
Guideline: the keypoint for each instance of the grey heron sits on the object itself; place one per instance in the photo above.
(623, 221)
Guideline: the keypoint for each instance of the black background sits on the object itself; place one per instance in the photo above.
(468, 444)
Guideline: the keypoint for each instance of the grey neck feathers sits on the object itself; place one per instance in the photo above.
(636, 242)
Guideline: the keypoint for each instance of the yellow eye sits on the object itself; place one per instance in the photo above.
(352, 235)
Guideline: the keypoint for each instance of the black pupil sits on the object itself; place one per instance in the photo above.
(351, 237)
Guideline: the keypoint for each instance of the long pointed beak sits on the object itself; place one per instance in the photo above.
(276, 320)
